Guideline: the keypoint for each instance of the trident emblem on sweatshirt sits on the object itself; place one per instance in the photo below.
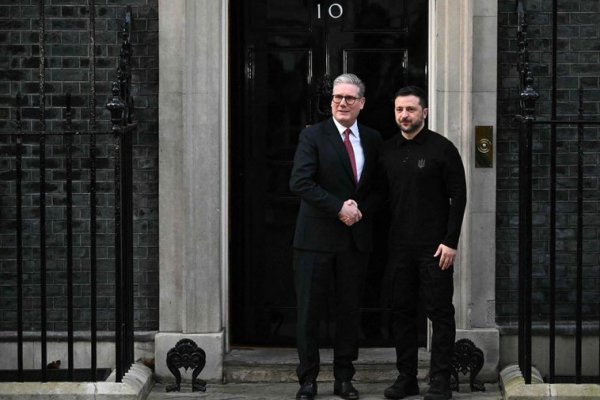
(421, 163)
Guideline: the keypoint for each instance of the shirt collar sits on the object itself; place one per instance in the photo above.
(341, 128)
(420, 138)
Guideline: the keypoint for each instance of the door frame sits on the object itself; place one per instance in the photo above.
(460, 97)
(193, 213)
(450, 66)
(450, 71)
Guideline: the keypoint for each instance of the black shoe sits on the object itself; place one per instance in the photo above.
(307, 391)
(405, 385)
(345, 390)
(439, 388)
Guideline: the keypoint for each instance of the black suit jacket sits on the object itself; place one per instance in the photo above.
(322, 177)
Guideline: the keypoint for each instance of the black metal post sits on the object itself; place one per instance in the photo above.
(42, 157)
(123, 250)
(579, 284)
(93, 199)
(528, 97)
(116, 106)
(69, 212)
(124, 79)
(118, 263)
(19, 200)
(124, 254)
(552, 227)
(525, 253)
(127, 239)
(121, 109)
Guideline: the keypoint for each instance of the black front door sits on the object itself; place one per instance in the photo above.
(284, 54)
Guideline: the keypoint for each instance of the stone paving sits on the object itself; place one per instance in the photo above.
(278, 391)
(249, 370)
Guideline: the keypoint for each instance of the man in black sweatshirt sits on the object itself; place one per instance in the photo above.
(427, 194)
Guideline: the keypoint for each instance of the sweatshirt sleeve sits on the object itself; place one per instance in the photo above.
(454, 177)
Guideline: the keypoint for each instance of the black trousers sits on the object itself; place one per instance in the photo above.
(314, 272)
(416, 278)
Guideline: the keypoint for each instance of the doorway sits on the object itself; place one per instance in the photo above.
(284, 54)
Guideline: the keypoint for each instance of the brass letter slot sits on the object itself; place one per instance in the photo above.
(484, 146)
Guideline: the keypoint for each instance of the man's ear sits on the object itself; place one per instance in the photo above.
(425, 112)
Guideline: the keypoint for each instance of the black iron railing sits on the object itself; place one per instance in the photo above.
(20, 143)
(527, 128)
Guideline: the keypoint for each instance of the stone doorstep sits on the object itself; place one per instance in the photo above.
(137, 384)
(514, 387)
(373, 364)
(246, 365)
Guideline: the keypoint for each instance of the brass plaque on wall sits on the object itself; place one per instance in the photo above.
(484, 146)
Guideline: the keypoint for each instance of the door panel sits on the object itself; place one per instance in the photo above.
(371, 65)
(375, 16)
(287, 15)
(284, 54)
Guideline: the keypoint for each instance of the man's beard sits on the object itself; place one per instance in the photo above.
(413, 127)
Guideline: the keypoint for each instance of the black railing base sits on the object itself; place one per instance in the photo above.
(468, 358)
(186, 354)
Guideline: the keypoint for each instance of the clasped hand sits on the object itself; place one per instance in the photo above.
(350, 214)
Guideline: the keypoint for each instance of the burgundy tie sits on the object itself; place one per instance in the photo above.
(350, 151)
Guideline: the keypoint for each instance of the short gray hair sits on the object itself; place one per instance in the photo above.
(353, 79)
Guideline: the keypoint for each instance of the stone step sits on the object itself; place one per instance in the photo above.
(252, 365)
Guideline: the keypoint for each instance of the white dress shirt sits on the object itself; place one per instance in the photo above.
(359, 155)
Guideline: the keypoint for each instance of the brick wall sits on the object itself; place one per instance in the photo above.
(578, 64)
(67, 70)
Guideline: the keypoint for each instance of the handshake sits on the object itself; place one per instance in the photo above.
(350, 214)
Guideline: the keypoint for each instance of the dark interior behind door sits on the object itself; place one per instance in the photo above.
(284, 54)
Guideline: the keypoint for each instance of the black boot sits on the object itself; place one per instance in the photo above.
(405, 385)
(307, 391)
(439, 388)
(345, 390)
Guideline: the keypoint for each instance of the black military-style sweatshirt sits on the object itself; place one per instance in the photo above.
(426, 188)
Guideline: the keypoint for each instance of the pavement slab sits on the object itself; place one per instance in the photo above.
(287, 390)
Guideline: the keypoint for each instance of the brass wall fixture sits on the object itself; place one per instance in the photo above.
(484, 146)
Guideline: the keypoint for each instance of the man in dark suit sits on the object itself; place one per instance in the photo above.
(334, 173)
